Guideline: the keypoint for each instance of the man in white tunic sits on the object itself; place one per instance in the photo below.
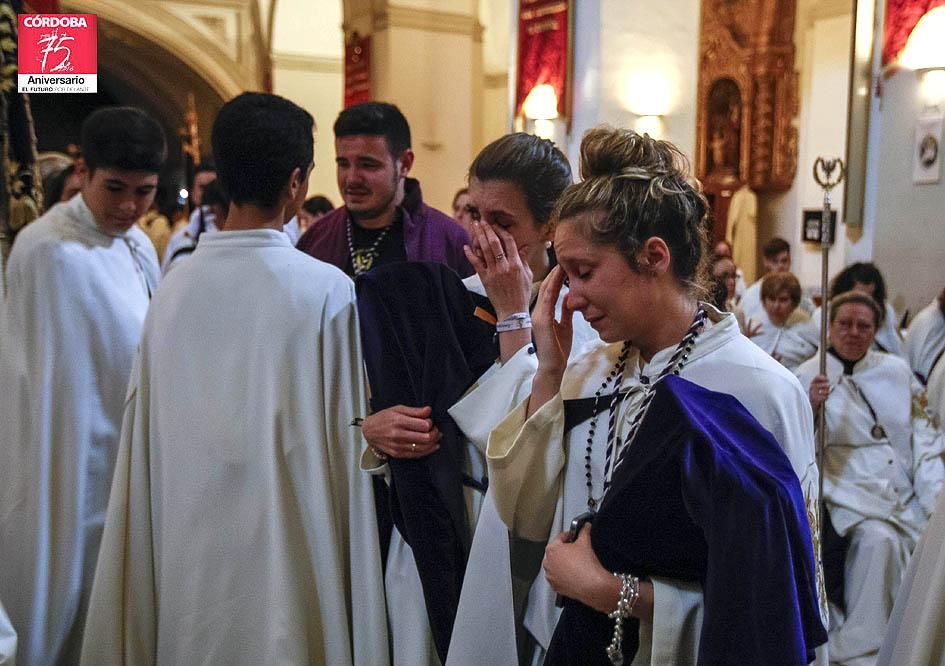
(883, 470)
(916, 632)
(240, 529)
(777, 259)
(79, 281)
(925, 340)
(7, 640)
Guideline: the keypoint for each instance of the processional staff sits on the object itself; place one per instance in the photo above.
(190, 144)
(828, 174)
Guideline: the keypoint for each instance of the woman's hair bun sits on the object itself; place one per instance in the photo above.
(610, 152)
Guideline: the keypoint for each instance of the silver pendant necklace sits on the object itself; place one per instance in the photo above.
(363, 261)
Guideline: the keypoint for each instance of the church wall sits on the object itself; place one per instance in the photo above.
(433, 82)
(909, 243)
(649, 56)
(308, 71)
(315, 84)
(823, 56)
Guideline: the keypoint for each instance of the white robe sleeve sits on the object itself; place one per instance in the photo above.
(526, 460)
(673, 636)
(7, 635)
(928, 445)
(344, 395)
(495, 394)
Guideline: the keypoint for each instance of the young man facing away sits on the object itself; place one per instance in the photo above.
(241, 530)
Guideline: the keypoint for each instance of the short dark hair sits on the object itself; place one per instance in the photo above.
(864, 273)
(318, 205)
(205, 166)
(258, 141)
(57, 185)
(213, 194)
(534, 164)
(774, 247)
(123, 137)
(375, 119)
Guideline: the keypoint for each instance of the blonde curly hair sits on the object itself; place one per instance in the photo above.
(640, 187)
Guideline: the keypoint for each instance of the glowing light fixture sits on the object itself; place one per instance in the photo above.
(652, 125)
(648, 93)
(541, 103)
(925, 48)
(932, 87)
(183, 193)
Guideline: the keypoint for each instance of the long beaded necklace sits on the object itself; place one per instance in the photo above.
(365, 259)
(615, 448)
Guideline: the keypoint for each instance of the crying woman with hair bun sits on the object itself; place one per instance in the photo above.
(669, 467)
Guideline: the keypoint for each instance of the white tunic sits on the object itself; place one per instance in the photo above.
(7, 640)
(791, 344)
(187, 236)
(916, 631)
(76, 300)
(895, 478)
(879, 489)
(936, 392)
(538, 473)
(925, 339)
(240, 530)
(484, 631)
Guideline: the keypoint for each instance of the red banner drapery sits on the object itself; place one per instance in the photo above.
(901, 18)
(543, 50)
(357, 70)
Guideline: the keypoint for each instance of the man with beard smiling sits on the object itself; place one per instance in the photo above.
(384, 219)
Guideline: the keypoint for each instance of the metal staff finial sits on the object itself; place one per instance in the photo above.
(828, 173)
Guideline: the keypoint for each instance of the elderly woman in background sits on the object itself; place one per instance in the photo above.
(866, 278)
(882, 469)
(786, 331)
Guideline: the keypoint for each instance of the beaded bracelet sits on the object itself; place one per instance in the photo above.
(629, 594)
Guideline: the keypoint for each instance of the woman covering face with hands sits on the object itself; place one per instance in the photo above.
(513, 186)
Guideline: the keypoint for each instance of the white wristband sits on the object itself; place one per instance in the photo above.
(514, 322)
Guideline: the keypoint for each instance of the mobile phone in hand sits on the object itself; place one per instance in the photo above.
(576, 526)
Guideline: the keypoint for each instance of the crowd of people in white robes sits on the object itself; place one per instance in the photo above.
(191, 472)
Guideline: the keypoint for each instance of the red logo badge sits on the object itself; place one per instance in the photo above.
(57, 53)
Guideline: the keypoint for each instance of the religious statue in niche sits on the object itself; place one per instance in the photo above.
(725, 127)
(747, 97)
